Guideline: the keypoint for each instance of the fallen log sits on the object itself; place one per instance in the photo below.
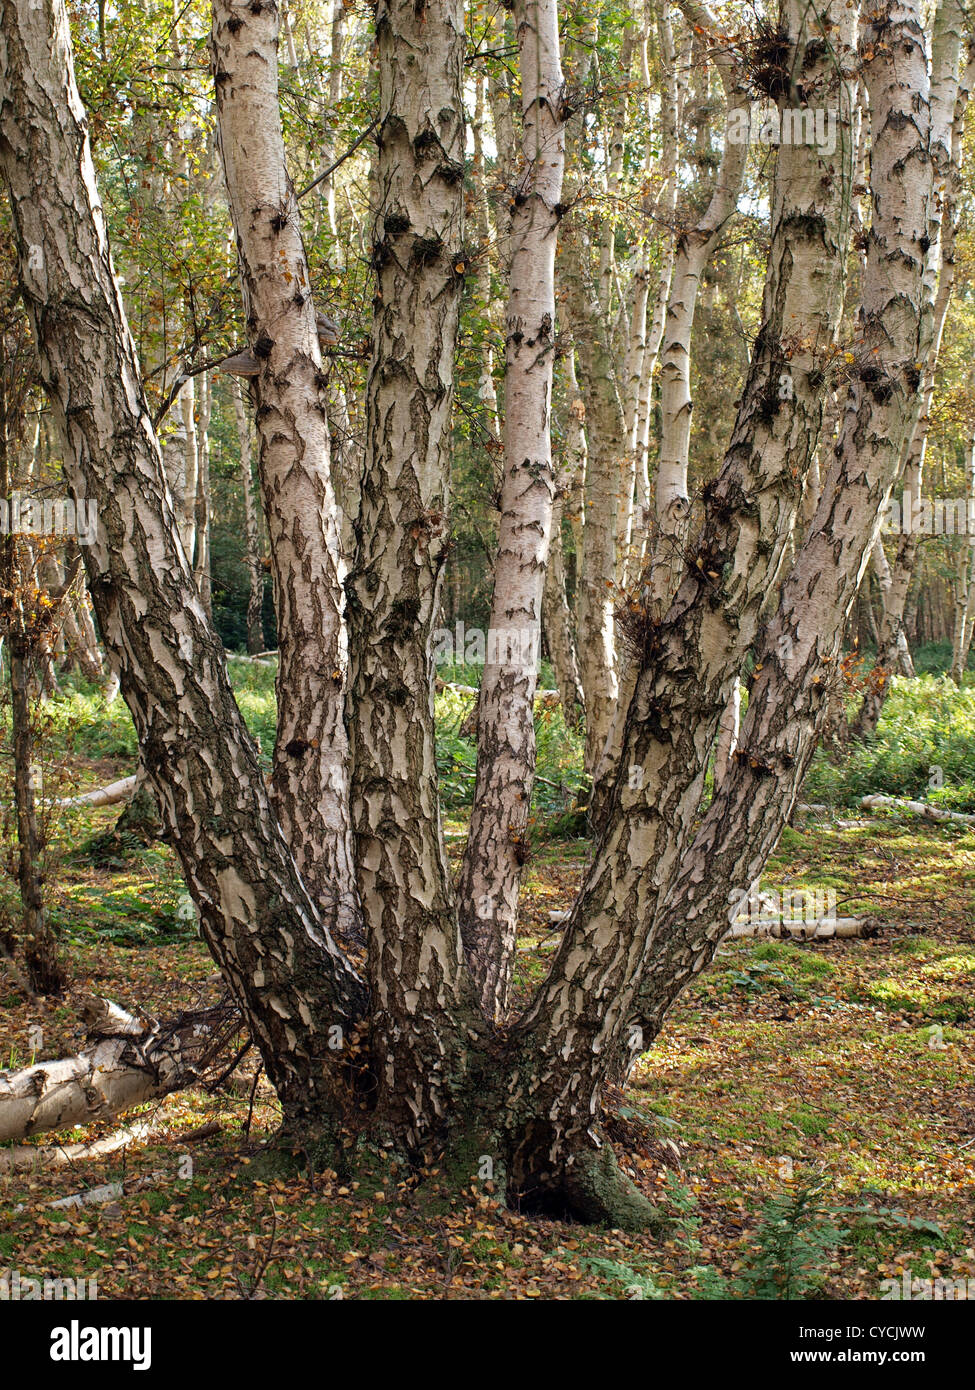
(103, 1195)
(128, 1061)
(101, 796)
(803, 931)
(262, 659)
(548, 699)
(106, 1192)
(25, 1157)
(544, 699)
(776, 926)
(917, 808)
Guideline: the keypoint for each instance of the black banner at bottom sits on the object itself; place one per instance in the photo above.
(263, 1338)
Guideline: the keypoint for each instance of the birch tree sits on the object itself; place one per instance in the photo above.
(498, 836)
(948, 109)
(310, 779)
(255, 913)
(694, 247)
(404, 1056)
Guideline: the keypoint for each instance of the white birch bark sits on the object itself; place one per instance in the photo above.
(255, 576)
(310, 773)
(674, 62)
(604, 959)
(497, 839)
(201, 514)
(949, 101)
(694, 248)
(485, 237)
(191, 466)
(965, 583)
(800, 646)
(128, 1061)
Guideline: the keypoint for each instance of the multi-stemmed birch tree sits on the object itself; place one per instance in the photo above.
(325, 900)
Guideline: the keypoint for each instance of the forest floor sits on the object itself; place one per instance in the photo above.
(806, 1120)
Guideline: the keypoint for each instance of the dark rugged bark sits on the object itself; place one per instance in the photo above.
(613, 958)
(654, 903)
(949, 101)
(422, 999)
(796, 657)
(293, 982)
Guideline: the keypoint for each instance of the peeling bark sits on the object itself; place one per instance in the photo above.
(423, 1009)
(310, 785)
(497, 839)
(694, 248)
(292, 980)
(799, 648)
(128, 1061)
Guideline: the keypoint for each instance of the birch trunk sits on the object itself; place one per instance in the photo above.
(965, 586)
(127, 1061)
(255, 572)
(497, 839)
(949, 101)
(605, 430)
(639, 360)
(557, 615)
(189, 480)
(674, 63)
(310, 773)
(683, 264)
(80, 637)
(486, 389)
(800, 646)
(421, 998)
(201, 514)
(274, 949)
(557, 622)
(610, 948)
(729, 731)
(40, 944)
(694, 248)
(750, 508)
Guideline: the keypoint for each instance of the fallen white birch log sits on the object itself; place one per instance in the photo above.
(264, 659)
(107, 1192)
(24, 1157)
(918, 808)
(819, 930)
(128, 1061)
(101, 796)
(97, 1196)
(802, 931)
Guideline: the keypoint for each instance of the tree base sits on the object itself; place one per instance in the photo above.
(590, 1188)
(598, 1192)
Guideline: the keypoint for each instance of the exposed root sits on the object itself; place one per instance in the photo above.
(599, 1192)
